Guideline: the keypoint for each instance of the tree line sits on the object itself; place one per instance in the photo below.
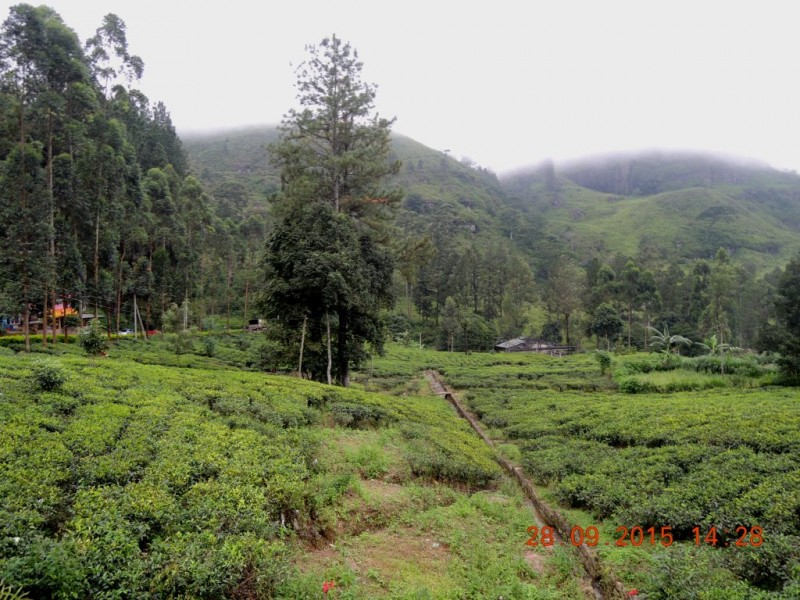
(470, 290)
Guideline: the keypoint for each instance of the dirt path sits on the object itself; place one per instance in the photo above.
(606, 585)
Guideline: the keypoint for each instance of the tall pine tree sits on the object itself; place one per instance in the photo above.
(324, 267)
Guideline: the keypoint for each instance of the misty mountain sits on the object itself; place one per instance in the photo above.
(667, 206)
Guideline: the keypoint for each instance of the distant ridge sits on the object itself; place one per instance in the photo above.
(670, 205)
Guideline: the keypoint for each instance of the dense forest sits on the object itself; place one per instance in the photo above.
(97, 203)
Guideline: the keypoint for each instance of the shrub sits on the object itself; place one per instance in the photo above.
(210, 346)
(49, 376)
(603, 361)
(348, 414)
(511, 452)
(631, 385)
(370, 460)
(270, 356)
(182, 343)
(767, 566)
(92, 339)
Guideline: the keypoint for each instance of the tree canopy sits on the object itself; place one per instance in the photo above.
(335, 148)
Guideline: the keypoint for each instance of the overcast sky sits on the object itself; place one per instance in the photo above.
(503, 83)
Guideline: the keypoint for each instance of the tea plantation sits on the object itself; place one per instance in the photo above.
(710, 451)
(151, 474)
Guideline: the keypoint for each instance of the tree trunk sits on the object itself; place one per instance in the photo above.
(246, 290)
(53, 303)
(26, 316)
(96, 262)
(566, 327)
(330, 355)
(52, 210)
(144, 332)
(24, 202)
(344, 362)
(44, 321)
(630, 323)
(302, 345)
(119, 287)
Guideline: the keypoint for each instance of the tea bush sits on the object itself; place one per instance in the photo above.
(93, 340)
(682, 445)
(151, 481)
(48, 376)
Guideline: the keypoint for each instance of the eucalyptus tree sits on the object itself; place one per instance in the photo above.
(41, 63)
(566, 283)
(108, 54)
(629, 292)
(23, 239)
(721, 285)
(92, 133)
(787, 312)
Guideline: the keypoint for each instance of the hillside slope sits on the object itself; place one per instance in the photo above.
(428, 177)
(667, 206)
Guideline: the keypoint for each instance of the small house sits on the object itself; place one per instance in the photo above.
(522, 344)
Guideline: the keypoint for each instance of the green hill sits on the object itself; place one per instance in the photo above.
(668, 206)
(428, 177)
(671, 206)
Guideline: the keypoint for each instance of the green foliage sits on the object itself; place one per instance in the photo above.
(787, 306)
(551, 332)
(191, 481)
(334, 149)
(603, 361)
(606, 322)
(323, 269)
(10, 593)
(690, 448)
(182, 342)
(209, 346)
(93, 340)
(49, 376)
(72, 321)
(679, 207)
(358, 416)
(172, 319)
(682, 571)
(666, 343)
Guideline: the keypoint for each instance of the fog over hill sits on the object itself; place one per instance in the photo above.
(673, 205)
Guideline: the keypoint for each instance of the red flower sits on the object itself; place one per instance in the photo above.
(633, 593)
(327, 586)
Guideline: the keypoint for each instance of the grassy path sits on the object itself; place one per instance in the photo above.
(604, 583)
